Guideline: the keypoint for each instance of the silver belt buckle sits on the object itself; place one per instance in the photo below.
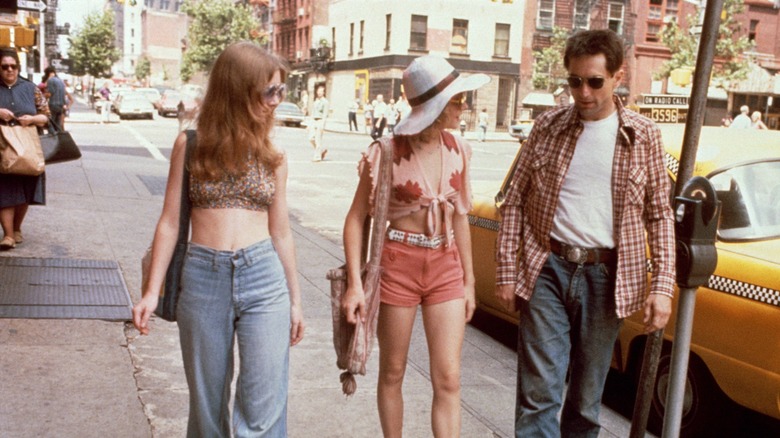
(575, 254)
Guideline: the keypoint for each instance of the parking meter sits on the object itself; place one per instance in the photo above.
(696, 213)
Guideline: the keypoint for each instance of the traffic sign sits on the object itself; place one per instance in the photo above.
(31, 5)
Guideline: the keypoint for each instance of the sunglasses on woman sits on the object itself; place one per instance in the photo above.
(594, 83)
(277, 90)
(458, 99)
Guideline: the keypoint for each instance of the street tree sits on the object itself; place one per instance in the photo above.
(214, 25)
(143, 69)
(731, 63)
(549, 72)
(92, 51)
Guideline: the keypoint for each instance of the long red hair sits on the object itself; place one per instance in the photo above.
(233, 125)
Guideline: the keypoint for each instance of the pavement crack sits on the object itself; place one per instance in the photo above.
(137, 370)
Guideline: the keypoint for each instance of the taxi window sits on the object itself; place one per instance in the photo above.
(750, 201)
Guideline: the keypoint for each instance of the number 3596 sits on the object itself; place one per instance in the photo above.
(664, 115)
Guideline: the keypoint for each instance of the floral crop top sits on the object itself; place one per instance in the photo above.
(254, 190)
(411, 191)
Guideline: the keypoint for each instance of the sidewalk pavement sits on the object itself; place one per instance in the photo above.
(91, 378)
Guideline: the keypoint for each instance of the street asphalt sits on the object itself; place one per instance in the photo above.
(93, 378)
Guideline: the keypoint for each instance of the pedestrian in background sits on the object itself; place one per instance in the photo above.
(304, 102)
(239, 279)
(22, 102)
(58, 97)
(319, 112)
(756, 122)
(742, 121)
(368, 114)
(483, 124)
(105, 108)
(352, 114)
(380, 121)
(589, 194)
(69, 95)
(427, 253)
(391, 115)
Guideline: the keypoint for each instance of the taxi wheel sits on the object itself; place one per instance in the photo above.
(703, 401)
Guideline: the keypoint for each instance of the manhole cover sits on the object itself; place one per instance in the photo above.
(63, 289)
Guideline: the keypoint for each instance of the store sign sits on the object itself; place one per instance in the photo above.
(29, 5)
(664, 108)
(665, 99)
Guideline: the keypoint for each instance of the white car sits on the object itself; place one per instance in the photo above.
(134, 105)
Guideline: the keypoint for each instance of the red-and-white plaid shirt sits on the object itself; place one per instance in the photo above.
(640, 198)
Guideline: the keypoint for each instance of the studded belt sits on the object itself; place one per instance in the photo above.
(416, 239)
(580, 255)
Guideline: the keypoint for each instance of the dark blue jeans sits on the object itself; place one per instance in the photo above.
(569, 323)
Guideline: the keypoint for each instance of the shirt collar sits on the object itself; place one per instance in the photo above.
(571, 120)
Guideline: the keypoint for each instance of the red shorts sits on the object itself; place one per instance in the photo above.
(413, 275)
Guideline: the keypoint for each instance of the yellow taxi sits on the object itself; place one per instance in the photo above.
(735, 347)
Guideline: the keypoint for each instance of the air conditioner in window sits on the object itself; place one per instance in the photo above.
(298, 54)
(300, 12)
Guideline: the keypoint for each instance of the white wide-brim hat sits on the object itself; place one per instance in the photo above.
(429, 83)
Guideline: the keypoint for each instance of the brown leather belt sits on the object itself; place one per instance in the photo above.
(580, 255)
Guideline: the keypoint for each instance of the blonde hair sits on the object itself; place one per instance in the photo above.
(233, 126)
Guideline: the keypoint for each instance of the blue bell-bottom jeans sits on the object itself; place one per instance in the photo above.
(226, 296)
(569, 324)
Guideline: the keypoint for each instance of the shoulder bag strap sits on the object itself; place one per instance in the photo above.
(185, 207)
(382, 201)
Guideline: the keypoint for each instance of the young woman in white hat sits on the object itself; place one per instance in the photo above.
(427, 253)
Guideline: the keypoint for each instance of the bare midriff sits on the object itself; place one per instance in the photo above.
(228, 229)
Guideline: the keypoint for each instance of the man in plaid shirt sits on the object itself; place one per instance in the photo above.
(589, 194)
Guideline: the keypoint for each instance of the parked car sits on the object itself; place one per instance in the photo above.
(152, 94)
(521, 130)
(169, 103)
(134, 105)
(289, 114)
(735, 348)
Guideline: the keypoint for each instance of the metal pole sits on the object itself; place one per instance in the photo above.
(679, 364)
(646, 383)
(693, 123)
(687, 298)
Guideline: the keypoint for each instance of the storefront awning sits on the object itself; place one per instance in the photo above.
(539, 99)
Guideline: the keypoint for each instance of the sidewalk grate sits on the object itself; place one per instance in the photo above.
(51, 288)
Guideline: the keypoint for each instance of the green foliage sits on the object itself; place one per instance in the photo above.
(143, 69)
(92, 48)
(215, 25)
(731, 64)
(548, 62)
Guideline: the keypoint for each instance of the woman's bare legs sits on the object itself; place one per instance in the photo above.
(20, 211)
(7, 220)
(445, 325)
(394, 331)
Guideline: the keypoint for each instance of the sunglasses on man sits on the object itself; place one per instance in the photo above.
(7, 67)
(594, 83)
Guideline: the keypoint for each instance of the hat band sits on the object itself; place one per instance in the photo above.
(433, 91)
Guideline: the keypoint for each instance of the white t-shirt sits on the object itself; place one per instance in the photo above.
(584, 213)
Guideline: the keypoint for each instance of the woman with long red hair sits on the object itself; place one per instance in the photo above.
(239, 276)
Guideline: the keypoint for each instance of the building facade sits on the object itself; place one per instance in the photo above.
(371, 42)
(163, 49)
(640, 24)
